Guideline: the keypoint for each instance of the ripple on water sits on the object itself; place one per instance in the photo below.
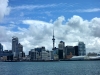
(50, 68)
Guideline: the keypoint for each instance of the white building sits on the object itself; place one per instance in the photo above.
(46, 55)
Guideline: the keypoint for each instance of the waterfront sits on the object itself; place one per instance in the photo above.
(50, 68)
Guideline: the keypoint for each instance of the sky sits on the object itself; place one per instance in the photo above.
(33, 21)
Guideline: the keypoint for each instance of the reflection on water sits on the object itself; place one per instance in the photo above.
(50, 68)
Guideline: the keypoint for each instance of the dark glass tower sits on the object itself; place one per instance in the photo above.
(15, 46)
(1, 48)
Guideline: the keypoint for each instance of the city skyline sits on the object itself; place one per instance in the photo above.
(33, 21)
(61, 52)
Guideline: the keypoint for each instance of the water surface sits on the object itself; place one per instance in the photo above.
(50, 68)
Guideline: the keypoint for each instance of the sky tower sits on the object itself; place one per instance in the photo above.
(53, 39)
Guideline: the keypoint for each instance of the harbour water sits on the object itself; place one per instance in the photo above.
(50, 68)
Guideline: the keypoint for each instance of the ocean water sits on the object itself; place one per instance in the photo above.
(50, 68)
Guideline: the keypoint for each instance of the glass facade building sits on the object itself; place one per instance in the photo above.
(81, 49)
(15, 46)
(1, 48)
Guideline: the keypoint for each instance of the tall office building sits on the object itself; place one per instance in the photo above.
(1, 48)
(61, 50)
(20, 51)
(20, 47)
(70, 51)
(76, 50)
(55, 54)
(61, 45)
(15, 46)
(81, 49)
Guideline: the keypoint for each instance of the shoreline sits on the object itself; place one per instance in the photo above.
(52, 60)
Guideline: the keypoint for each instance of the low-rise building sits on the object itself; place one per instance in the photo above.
(46, 55)
(40, 54)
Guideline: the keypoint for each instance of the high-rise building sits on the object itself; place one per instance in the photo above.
(15, 46)
(20, 47)
(55, 54)
(61, 45)
(81, 49)
(61, 50)
(76, 50)
(70, 51)
(1, 48)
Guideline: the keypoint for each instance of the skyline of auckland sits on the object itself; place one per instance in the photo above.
(32, 21)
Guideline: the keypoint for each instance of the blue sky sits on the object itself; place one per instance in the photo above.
(46, 10)
(32, 22)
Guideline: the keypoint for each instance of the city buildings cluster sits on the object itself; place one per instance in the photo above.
(61, 52)
(15, 54)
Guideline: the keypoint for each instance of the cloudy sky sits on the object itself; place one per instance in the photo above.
(32, 21)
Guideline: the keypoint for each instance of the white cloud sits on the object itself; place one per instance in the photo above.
(86, 10)
(2, 33)
(39, 33)
(4, 9)
(29, 7)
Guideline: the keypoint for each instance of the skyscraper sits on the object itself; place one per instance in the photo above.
(76, 51)
(61, 45)
(20, 51)
(20, 47)
(53, 39)
(81, 49)
(61, 50)
(70, 49)
(1, 48)
(15, 46)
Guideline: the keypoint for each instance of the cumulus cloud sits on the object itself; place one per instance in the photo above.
(39, 33)
(2, 33)
(4, 9)
(95, 26)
